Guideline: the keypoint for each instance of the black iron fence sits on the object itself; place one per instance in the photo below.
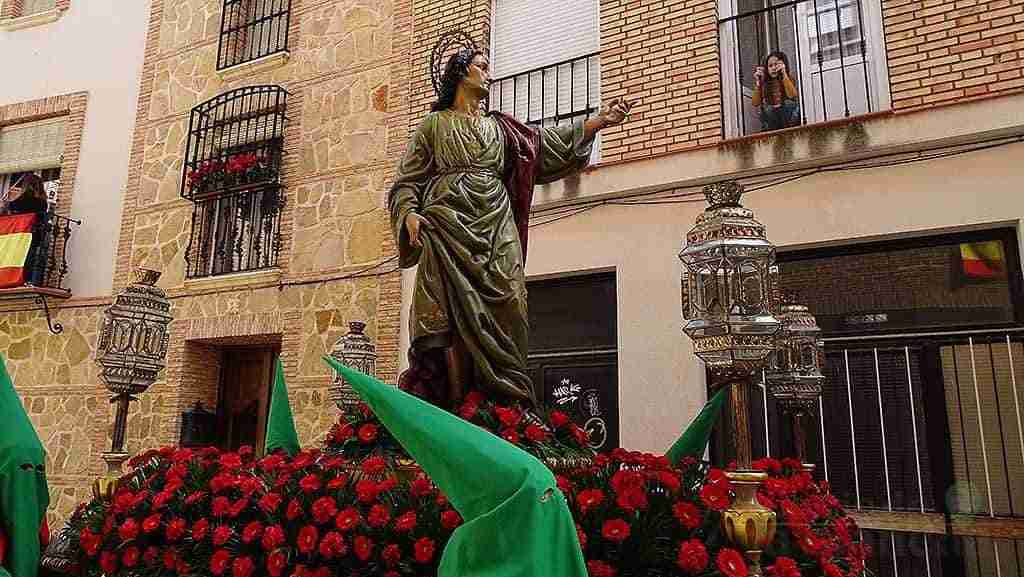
(235, 232)
(251, 29)
(830, 64)
(551, 95)
(46, 263)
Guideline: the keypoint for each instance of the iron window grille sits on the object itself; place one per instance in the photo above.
(251, 29)
(232, 175)
(551, 95)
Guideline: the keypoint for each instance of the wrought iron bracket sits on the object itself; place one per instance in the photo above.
(55, 327)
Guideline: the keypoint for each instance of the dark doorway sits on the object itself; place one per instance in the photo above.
(246, 378)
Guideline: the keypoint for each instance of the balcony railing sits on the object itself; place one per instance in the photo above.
(551, 95)
(237, 232)
(252, 29)
(831, 64)
(46, 263)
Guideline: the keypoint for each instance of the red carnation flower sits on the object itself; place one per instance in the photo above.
(564, 485)
(363, 547)
(559, 419)
(386, 485)
(337, 482)
(89, 541)
(632, 499)
(310, 483)
(324, 509)
(468, 410)
(152, 523)
(221, 535)
(368, 433)
(784, 567)
(128, 530)
(718, 478)
(714, 497)
(252, 531)
(511, 436)
(423, 550)
(731, 563)
(535, 433)
(600, 569)
(163, 497)
(332, 545)
(421, 487)
(294, 510)
(669, 480)
(219, 562)
(406, 522)
(581, 436)
(108, 562)
(348, 519)
(808, 542)
(378, 516)
(221, 506)
(175, 529)
(200, 529)
(307, 539)
(195, 497)
(508, 417)
(450, 519)
(626, 480)
(589, 499)
(831, 570)
(795, 515)
(366, 490)
(130, 557)
(391, 554)
(342, 432)
(692, 557)
(238, 506)
(170, 559)
(270, 502)
(230, 461)
(374, 465)
(581, 536)
(276, 562)
(242, 567)
(273, 537)
(687, 514)
(615, 530)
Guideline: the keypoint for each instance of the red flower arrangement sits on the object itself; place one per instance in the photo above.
(358, 507)
(235, 170)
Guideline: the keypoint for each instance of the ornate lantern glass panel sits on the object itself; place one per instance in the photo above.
(728, 279)
(357, 351)
(794, 372)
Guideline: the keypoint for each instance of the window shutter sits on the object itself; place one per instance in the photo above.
(31, 146)
(37, 6)
(528, 34)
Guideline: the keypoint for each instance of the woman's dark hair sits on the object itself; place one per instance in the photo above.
(456, 69)
(33, 186)
(781, 56)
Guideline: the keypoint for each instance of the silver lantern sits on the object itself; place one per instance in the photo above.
(357, 351)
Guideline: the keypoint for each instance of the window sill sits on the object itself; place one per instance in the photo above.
(37, 19)
(260, 65)
(235, 280)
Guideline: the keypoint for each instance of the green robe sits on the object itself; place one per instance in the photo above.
(23, 491)
(471, 278)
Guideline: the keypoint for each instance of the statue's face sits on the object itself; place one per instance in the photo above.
(478, 75)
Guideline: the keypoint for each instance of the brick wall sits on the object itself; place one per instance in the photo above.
(10, 8)
(665, 53)
(946, 50)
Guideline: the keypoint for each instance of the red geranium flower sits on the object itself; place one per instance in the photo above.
(731, 563)
(219, 562)
(406, 522)
(600, 569)
(535, 433)
(688, 514)
(323, 510)
(692, 556)
(363, 547)
(784, 567)
(130, 557)
(333, 545)
(348, 519)
(200, 529)
(368, 433)
(108, 562)
(589, 499)
(276, 563)
(378, 516)
(423, 550)
(615, 530)
(221, 535)
(242, 567)
(714, 497)
(374, 465)
(391, 554)
(273, 537)
(310, 483)
(128, 530)
(307, 539)
(559, 419)
(450, 519)
(252, 531)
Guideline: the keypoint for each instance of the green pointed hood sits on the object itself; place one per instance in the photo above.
(517, 522)
(696, 436)
(24, 495)
(280, 424)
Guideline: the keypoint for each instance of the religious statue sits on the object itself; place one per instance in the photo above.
(460, 208)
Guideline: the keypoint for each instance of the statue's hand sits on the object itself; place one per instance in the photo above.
(413, 224)
(615, 112)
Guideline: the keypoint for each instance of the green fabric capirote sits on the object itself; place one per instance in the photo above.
(695, 438)
(516, 521)
(280, 424)
(24, 495)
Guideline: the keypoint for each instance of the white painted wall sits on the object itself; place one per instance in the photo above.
(96, 47)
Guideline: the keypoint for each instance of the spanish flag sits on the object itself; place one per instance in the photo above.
(15, 240)
(983, 260)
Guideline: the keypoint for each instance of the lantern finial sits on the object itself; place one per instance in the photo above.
(723, 194)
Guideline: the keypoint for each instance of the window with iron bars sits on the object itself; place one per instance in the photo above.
(252, 29)
(232, 176)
